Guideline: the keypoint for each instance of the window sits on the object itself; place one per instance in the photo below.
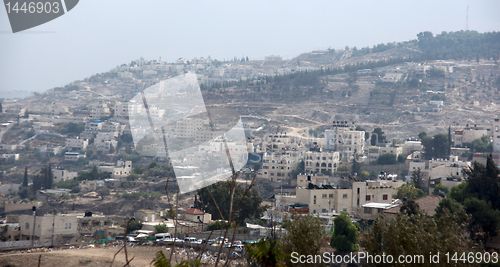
(323, 196)
(367, 210)
(368, 198)
(385, 197)
(27, 226)
(344, 196)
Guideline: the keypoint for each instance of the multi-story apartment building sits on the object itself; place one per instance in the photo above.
(348, 142)
(121, 110)
(282, 154)
(327, 198)
(197, 130)
(325, 162)
(276, 167)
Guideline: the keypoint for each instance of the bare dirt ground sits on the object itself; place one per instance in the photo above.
(96, 257)
(90, 257)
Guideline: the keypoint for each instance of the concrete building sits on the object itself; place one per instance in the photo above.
(121, 109)
(378, 191)
(90, 185)
(197, 130)
(276, 166)
(304, 179)
(325, 162)
(122, 169)
(105, 141)
(63, 175)
(495, 132)
(410, 146)
(371, 210)
(62, 228)
(327, 198)
(374, 152)
(197, 216)
(467, 135)
(348, 142)
(146, 215)
(324, 198)
(73, 156)
(439, 168)
(77, 143)
(282, 154)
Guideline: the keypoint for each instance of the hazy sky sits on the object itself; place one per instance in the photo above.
(97, 35)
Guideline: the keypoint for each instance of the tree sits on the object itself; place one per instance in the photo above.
(133, 225)
(483, 182)
(484, 219)
(161, 260)
(416, 234)
(440, 190)
(71, 128)
(386, 159)
(378, 137)
(450, 207)
(161, 228)
(266, 253)
(417, 179)
(37, 183)
(441, 146)
(479, 196)
(422, 136)
(345, 234)
(171, 213)
(215, 199)
(482, 144)
(409, 191)
(25, 178)
(49, 178)
(356, 167)
(449, 140)
(304, 235)
(436, 147)
(409, 207)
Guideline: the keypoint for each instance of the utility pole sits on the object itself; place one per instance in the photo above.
(53, 228)
(34, 225)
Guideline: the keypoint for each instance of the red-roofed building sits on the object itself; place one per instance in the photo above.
(197, 215)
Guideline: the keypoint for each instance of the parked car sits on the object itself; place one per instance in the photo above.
(161, 236)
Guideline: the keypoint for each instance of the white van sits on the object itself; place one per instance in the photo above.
(162, 236)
